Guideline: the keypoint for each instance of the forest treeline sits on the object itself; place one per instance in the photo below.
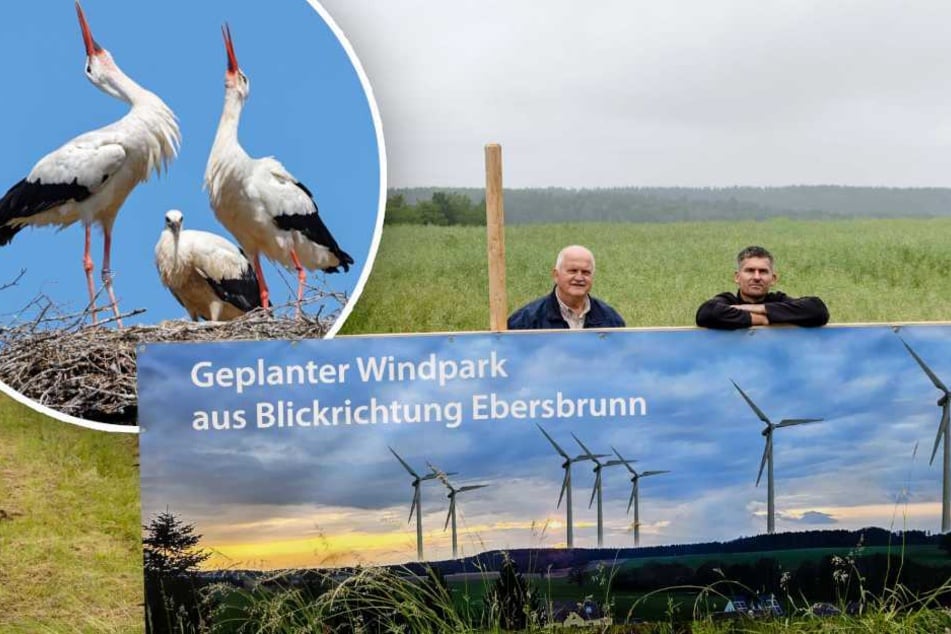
(448, 206)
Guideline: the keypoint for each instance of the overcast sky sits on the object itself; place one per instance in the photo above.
(296, 496)
(622, 92)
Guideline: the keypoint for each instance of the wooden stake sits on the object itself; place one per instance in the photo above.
(495, 229)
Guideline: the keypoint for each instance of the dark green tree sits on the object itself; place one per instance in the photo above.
(170, 547)
(171, 560)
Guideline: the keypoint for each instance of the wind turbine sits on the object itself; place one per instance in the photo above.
(635, 479)
(598, 465)
(942, 431)
(453, 491)
(416, 505)
(767, 460)
(565, 483)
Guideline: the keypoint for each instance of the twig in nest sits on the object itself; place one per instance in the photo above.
(89, 371)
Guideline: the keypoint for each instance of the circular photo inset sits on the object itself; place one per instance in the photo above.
(226, 181)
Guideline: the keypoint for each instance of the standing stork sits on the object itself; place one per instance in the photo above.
(207, 274)
(266, 209)
(89, 178)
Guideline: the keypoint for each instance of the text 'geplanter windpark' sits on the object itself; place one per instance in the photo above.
(293, 454)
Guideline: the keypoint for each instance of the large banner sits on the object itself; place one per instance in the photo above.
(382, 450)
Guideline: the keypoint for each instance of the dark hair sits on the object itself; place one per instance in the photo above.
(753, 252)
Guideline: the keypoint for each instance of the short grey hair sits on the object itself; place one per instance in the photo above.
(561, 255)
(753, 252)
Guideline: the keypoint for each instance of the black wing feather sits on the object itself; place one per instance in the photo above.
(28, 198)
(315, 230)
(242, 292)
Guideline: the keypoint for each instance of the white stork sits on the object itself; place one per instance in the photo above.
(89, 178)
(207, 274)
(266, 209)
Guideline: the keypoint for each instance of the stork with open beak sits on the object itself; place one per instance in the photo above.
(267, 210)
(89, 178)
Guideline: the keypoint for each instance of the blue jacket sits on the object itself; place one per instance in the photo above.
(544, 313)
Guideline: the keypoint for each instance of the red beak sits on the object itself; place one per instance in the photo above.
(92, 47)
(229, 46)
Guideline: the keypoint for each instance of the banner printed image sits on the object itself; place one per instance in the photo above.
(392, 450)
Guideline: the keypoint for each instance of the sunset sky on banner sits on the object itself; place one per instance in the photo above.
(271, 496)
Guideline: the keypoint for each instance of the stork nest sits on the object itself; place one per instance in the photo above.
(89, 371)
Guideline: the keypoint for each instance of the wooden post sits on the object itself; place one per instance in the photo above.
(495, 229)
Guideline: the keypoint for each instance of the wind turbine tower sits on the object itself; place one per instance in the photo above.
(942, 435)
(451, 515)
(416, 505)
(565, 484)
(635, 482)
(767, 460)
(596, 491)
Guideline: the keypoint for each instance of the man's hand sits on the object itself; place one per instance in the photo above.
(757, 309)
(757, 313)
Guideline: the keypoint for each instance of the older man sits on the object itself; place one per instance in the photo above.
(569, 305)
(754, 304)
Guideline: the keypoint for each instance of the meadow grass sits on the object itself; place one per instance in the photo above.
(433, 279)
(70, 542)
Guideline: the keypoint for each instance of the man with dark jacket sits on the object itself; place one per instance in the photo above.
(754, 304)
(569, 305)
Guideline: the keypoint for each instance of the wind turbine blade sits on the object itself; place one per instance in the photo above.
(931, 375)
(624, 461)
(762, 464)
(630, 502)
(564, 485)
(471, 487)
(650, 473)
(403, 462)
(587, 452)
(789, 422)
(439, 474)
(452, 505)
(412, 506)
(597, 485)
(750, 402)
(560, 451)
(942, 431)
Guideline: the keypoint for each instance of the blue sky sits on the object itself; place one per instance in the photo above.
(865, 464)
(307, 108)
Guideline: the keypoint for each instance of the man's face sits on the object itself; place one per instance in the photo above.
(573, 279)
(754, 278)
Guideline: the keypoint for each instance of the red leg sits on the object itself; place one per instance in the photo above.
(262, 285)
(107, 273)
(301, 279)
(88, 267)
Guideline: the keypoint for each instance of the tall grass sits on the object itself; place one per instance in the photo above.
(433, 279)
(70, 542)
(385, 600)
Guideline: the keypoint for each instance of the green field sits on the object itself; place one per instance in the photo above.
(70, 544)
(70, 552)
(433, 279)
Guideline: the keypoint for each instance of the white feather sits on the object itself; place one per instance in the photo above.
(188, 259)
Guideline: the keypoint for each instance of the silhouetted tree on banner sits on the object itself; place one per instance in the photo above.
(171, 560)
